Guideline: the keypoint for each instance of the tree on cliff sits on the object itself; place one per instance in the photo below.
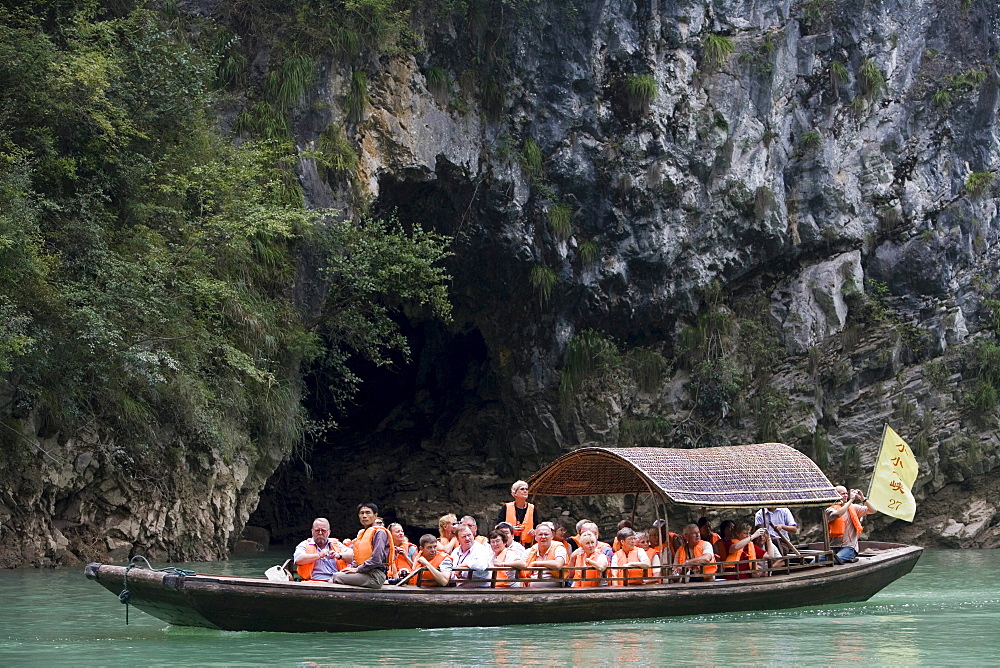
(149, 269)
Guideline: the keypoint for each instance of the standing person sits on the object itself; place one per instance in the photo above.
(705, 527)
(371, 552)
(318, 558)
(470, 560)
(470, 522)
(519, 514)
(844, 522)
(780, 524)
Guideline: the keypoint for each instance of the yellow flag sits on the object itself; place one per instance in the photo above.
(895, 471)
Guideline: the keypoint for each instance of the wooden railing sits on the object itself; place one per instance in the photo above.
(669, 574)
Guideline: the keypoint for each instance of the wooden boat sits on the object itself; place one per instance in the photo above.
(748, 477)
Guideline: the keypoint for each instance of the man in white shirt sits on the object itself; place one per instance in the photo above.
(508, 536)
(470, 560)
(780, 524)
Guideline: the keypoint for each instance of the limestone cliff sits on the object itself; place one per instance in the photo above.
(790, 203)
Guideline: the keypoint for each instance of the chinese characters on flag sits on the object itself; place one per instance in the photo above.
(895, 471)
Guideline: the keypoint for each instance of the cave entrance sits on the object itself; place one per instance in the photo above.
(406, 421)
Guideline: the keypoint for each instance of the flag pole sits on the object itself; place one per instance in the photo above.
(878, 458)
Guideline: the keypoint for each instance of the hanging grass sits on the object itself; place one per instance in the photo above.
(288, 83)
(978, 183)
(335, 154)
(872, 80)
(543, 279)
(437, 80)
(561, 220)
(811, 140)
(715, 50)
(648, 368)
(588, 251)
(493, 98)
(346, 43)
(262, 121)
(641, 91)
(590, 354)
(357, 101)
(531, 159)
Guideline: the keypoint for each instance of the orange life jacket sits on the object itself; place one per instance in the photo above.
(525, 527)
(581, 570)
(702, 548)
(633, 576)
(503, 577)
(363, 544)
(839, 524)
(401, 561)
(425, 579)
(532, 556)
(305, 571)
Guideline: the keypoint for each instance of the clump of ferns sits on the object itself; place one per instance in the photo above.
(716, 50)
(640, 92)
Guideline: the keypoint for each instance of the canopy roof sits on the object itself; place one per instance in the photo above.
(765, 474)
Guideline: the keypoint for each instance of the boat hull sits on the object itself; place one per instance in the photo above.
(253, 604)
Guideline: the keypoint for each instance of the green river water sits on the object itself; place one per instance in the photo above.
(946, 612)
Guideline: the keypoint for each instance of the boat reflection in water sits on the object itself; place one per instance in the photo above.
(747, 476)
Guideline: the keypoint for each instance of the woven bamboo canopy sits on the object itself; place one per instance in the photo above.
(752, 476)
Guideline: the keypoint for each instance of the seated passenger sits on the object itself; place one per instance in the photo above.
(437, 564)
(589, 563)
(630, 564)
(470, 521)
(705, 529)
(470, 561)
(768, 552)
(403, 552)
(503, 557)
(319, 557)
(601, 545)
(446, 533)
(695, 559)
(624, 524)
(508, 536)
(549, 556)
(560, 537)
(642, 541)
(721, 546)
(741, 549)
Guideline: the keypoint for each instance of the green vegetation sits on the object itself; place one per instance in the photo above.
(531, 159)
(981, 361)
(641, 91)
(811, 140)
(147, 264)
(335, 155)
(543, 279)
(561, 220)
(588, 251)
(715, 50)
(437, 80)
(957, 85)
(872, 80)
(357, 101)
(838, 76)
(287, 85)
(978, 183)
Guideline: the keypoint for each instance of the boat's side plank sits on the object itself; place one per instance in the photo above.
(249, 604)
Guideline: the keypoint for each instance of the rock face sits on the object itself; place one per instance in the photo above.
(810, 160)
(814, 156)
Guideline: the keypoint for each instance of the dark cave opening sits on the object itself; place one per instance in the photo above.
(409, 411)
